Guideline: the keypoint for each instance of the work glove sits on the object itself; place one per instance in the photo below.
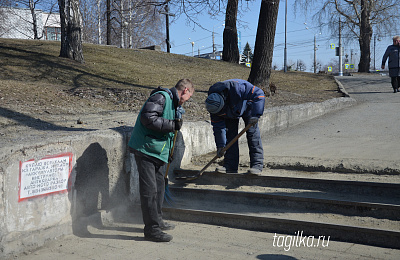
(178, 124)
(253, 120)
(220, 152)
(179, 112)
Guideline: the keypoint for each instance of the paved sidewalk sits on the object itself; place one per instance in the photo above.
(365, 136)
(198, 241)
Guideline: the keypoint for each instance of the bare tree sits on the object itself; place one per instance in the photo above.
(137, 23)
(71, 30)
(301, 66)
(263, 50)
(318, 66)
(192, 8)
(90, 20)
(126, 23)
(334, 64)
(362, 17)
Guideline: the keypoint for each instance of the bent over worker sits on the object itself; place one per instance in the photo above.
(227, 102)
(151, 143)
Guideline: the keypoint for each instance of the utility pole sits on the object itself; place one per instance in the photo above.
(315, 53)
(213, 45)
(167, 15)
(340, 50)
(285, 50)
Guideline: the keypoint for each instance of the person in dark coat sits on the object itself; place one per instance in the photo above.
(393, 53)
(151, 143)
(227, 102)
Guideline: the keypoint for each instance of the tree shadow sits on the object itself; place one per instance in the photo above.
(50, 67)
(35, 122)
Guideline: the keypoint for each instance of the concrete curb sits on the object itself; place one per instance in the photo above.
(341, 88)
(312, 164)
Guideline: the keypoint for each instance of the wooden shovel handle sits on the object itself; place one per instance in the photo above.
(225, 148)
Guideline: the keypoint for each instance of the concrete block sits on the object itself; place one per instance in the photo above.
(97, 182)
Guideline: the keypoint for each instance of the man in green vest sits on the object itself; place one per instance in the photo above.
(151, 142)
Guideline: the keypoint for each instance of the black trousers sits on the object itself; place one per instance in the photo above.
(395, 82)
(152, 189)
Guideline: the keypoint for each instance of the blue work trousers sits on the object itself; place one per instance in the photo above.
(256, 152)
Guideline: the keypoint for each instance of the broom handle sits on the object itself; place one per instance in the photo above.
(225, 148)
(172, 152)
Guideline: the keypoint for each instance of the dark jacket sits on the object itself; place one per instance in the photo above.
(242, 99)
(151, 113)
(153, 131)
(393, 53)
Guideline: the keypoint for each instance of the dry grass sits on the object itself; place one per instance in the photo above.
(35, 81)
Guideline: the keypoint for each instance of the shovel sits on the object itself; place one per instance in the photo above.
(189, 178)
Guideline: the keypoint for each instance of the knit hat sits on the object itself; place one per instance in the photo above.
(214, 103)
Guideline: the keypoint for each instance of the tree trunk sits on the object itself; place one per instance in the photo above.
(264, 47)
(71, 30)
(230, 50)
(108, 15)
(34, 20)
(365, 38)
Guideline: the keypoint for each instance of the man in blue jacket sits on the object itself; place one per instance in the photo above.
(228, 101)
(151, 142)
(393, 53)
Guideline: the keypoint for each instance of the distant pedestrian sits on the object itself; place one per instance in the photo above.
(393, 53)
(151, 143)
(228, 101)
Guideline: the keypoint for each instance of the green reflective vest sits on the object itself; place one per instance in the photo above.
(150, 142)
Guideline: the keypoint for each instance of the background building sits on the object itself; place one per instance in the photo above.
(17, 23)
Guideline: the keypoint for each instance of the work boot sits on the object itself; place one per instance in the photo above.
(253, 171)
(159, 237)
(167, 226)
(222, 169)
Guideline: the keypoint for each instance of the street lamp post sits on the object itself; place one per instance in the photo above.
(214, 48)
(192, 47)
(374, 49)
(315, 50)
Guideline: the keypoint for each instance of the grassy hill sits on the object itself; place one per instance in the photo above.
(34, 80)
